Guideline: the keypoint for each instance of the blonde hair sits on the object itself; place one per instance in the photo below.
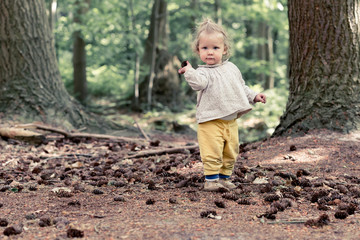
(208, 26)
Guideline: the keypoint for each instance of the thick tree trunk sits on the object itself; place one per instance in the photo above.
(324, 66)
(30, 85)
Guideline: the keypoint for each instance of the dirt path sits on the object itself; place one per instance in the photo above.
(111, 197)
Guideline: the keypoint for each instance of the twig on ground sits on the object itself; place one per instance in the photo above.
(142, 131)
(68, 156)
(164, 151)
(291, 221)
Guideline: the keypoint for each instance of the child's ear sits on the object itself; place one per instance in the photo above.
(225, 51)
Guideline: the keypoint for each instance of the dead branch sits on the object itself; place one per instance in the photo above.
(77, 134)
(21, 134)
(164, 151)
(142, 131)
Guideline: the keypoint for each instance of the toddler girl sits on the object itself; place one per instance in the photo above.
(222, 98)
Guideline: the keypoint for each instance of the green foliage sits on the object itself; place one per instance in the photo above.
(112, 42)
(115, 32)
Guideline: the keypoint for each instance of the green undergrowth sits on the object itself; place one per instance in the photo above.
(258, 124)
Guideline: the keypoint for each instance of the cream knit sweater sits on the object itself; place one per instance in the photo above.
(222, 92)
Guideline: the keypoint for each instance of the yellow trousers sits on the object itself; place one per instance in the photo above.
(219, 146)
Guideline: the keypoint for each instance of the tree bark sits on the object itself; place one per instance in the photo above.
(30, 84)
(324, 67)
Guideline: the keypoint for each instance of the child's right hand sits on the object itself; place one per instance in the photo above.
(185, 68)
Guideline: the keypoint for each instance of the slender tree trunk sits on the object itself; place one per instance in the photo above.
(136, 81)
(270, 79)
(136, 103)
(324, 66)
(153, 53)
(52, 22)
(79, 66)
(218, 14)
(194, 5)
(265, 54)
(79, 54)
(261, 50)
(30, 85)
(52, 14)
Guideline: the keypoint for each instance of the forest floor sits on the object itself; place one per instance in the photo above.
(304, 187)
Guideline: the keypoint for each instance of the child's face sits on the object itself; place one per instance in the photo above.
(211, 48)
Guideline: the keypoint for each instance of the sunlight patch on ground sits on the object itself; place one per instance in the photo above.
(197, 167)
(310, 156)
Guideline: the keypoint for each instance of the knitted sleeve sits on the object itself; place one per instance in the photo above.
(196, 79)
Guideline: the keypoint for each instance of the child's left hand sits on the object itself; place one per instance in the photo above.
(260, 98)
(185, 66)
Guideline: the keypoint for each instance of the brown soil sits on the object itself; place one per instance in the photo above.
(91, 189)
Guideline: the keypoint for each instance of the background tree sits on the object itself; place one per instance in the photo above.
(137, 50)
(31, 87)
(79, 53)
(324, 66)
(163, 84)
(52, 13)
(265, 54)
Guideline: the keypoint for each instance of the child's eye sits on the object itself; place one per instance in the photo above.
(204, 48)
(216, 47)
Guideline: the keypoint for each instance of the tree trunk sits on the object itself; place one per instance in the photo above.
(136, 82)
(265, 54)
(163, 83)
(79, 54)
(52, 14)
(136, 103)
(324, 66)
(30, 85)
(153, 51)
(218, 9)
(270, 79)
(261, 50)
(158, 16)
